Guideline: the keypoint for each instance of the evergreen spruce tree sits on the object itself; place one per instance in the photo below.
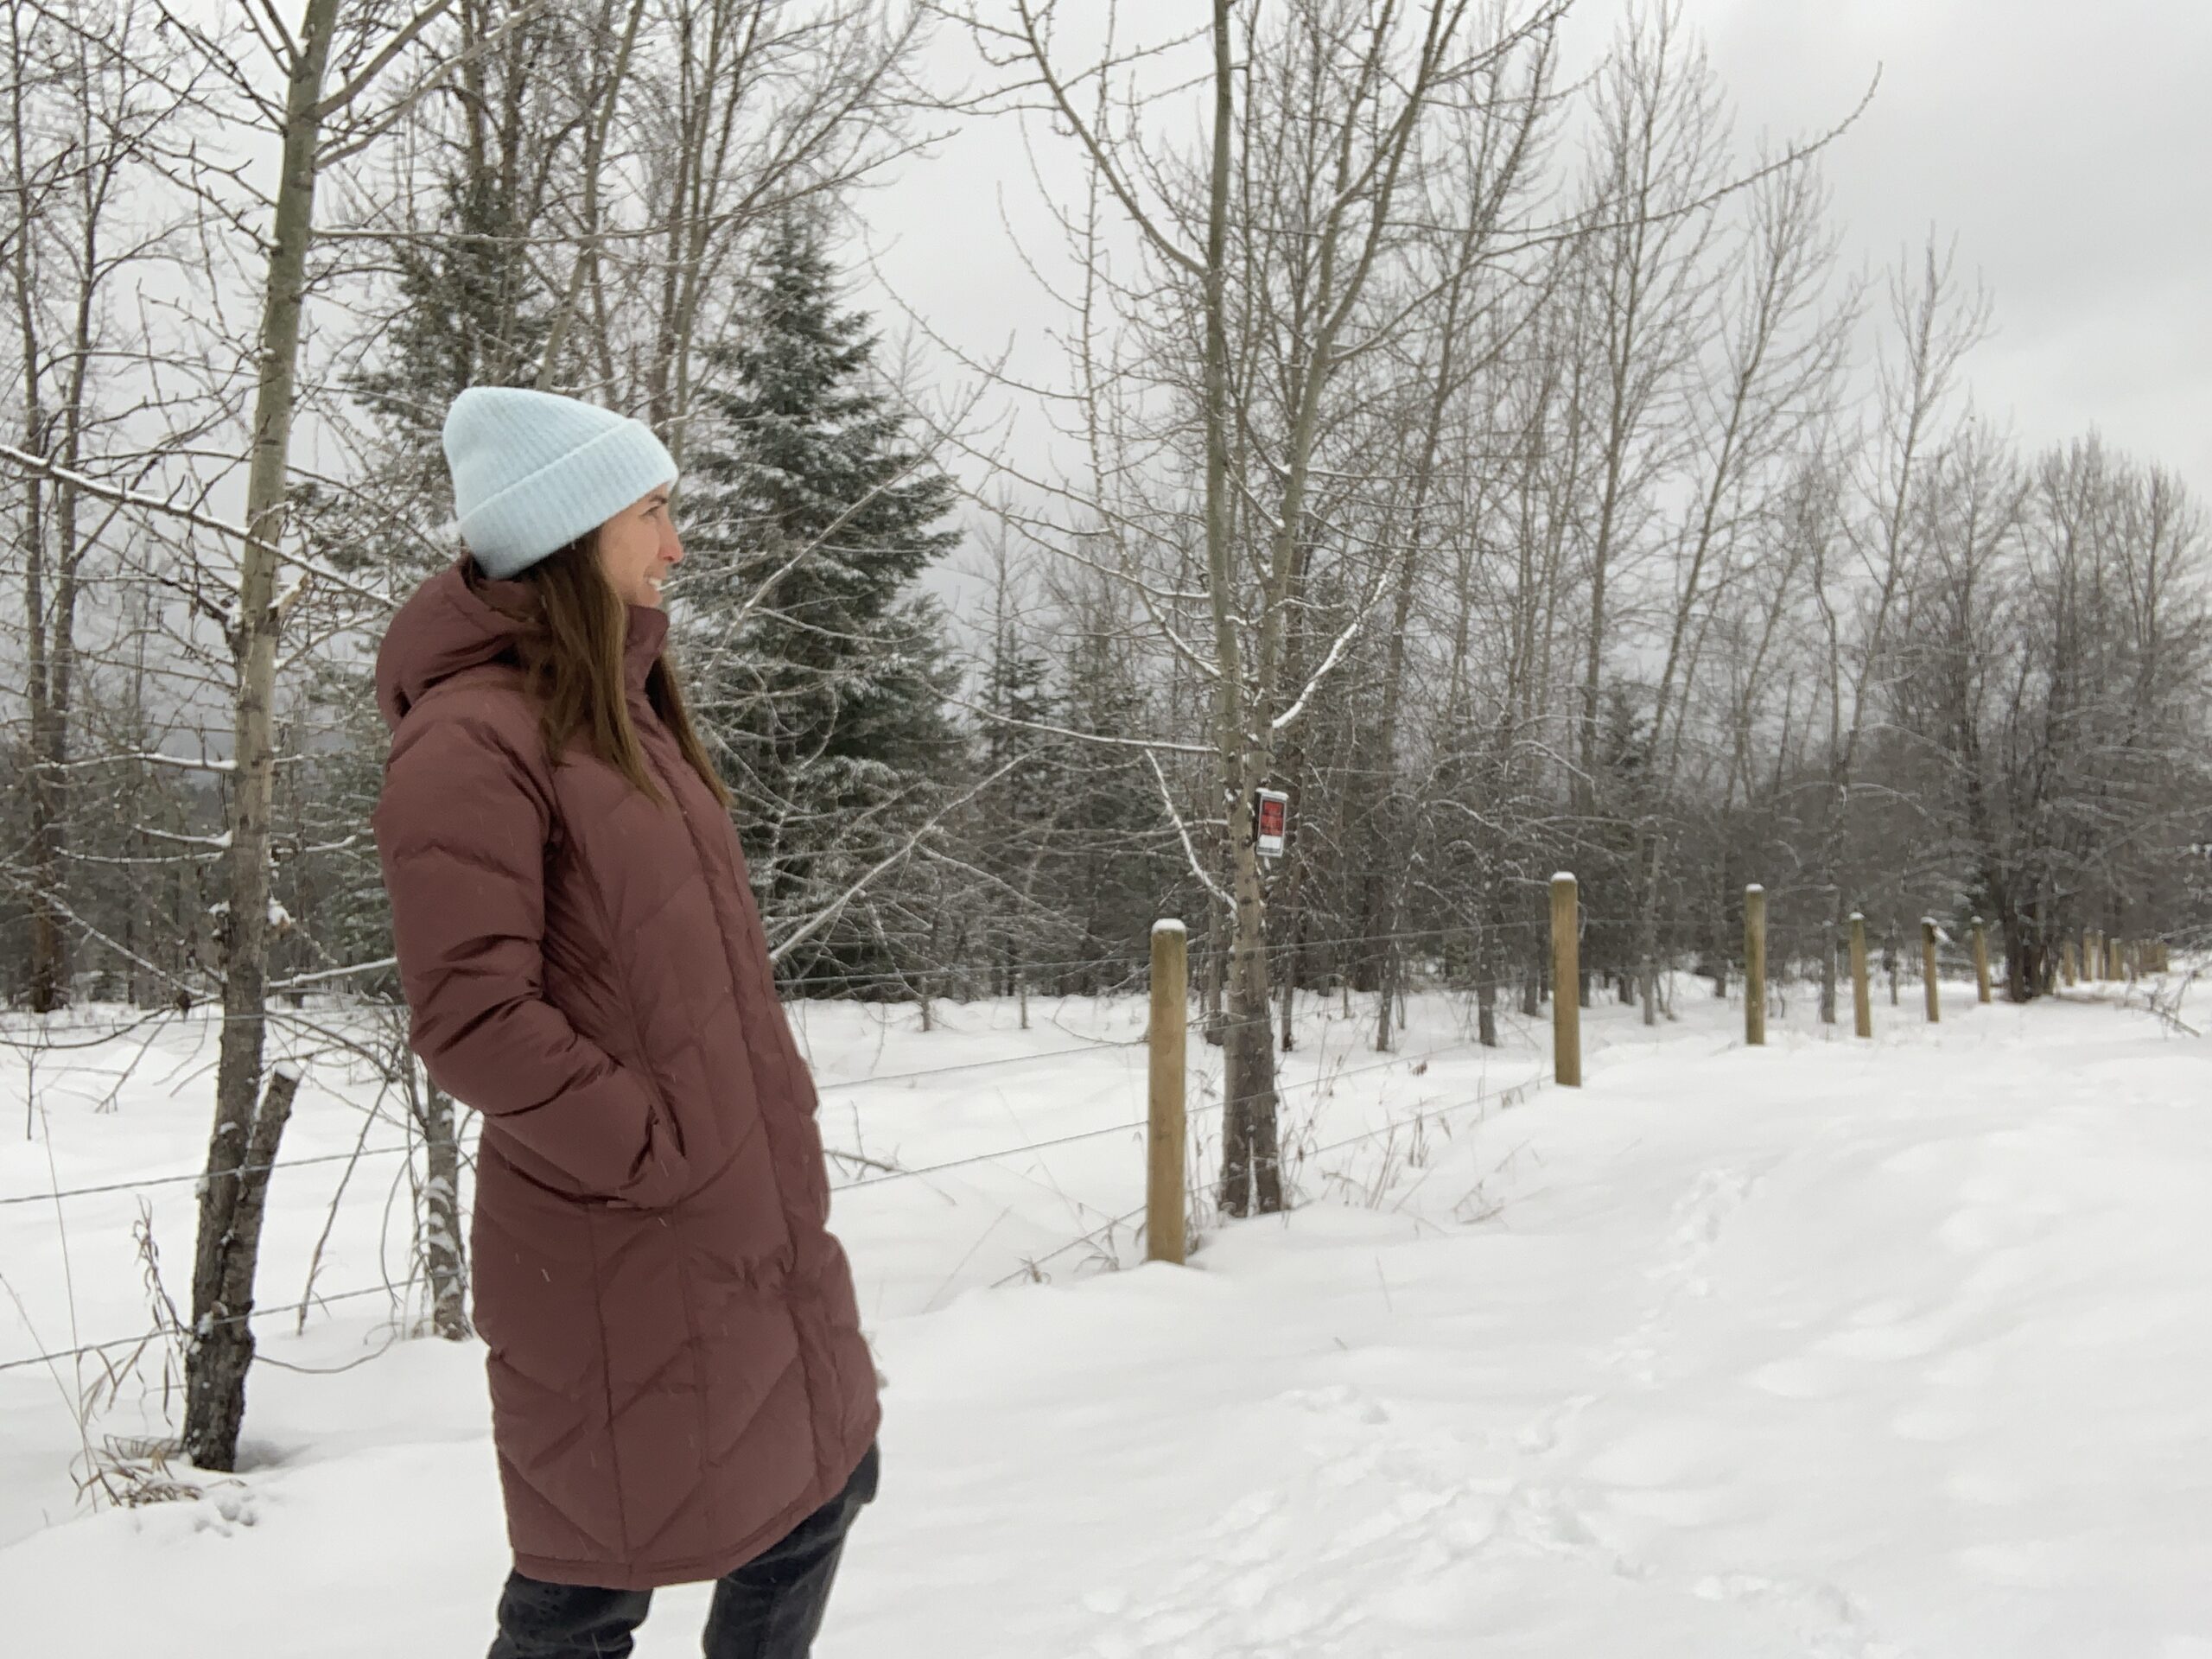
(816, 676)
(1119, 865)
(1014, 827)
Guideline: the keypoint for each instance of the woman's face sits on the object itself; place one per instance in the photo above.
(637, 548)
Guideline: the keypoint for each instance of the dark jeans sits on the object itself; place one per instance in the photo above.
(770, 1608)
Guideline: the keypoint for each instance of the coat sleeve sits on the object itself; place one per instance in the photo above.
(462, 830)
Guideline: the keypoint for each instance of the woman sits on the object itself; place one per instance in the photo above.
(680, 1390)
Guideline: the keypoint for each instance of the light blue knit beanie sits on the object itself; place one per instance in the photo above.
(532, 471)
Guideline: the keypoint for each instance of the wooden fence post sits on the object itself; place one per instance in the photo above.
(2112, 971)
(1163, 1229)
(1928, 969)
(2066, 961)
(1862, 1002)
(2093, 958)
(1755, 965)
(1566, 975)
(1980, 960)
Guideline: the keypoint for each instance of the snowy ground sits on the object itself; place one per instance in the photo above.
(1832, 1349)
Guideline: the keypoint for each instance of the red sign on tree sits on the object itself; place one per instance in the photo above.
(1270, 822)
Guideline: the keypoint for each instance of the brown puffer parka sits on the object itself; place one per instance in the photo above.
(678, 1372)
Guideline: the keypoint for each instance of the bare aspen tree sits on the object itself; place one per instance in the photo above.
(1493, 138)
(1780, 346)
(1861, 561)
(49, 512)
(763, 105)
(1283, 242)
(1642, 284)
(602, 99)
(310, 128)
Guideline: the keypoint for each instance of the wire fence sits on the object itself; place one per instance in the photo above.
(1427, 1111)
(399, 1292)
(1954, 957)
(1518, 981)
(837, 1086)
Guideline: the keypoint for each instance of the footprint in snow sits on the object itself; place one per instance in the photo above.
(1828, 1623)
(1366, 1515)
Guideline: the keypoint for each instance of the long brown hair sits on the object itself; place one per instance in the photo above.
(572, 648)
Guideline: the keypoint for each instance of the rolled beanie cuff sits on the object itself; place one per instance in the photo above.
(541, 513)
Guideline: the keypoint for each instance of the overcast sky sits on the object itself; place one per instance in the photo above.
(2066, 144)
